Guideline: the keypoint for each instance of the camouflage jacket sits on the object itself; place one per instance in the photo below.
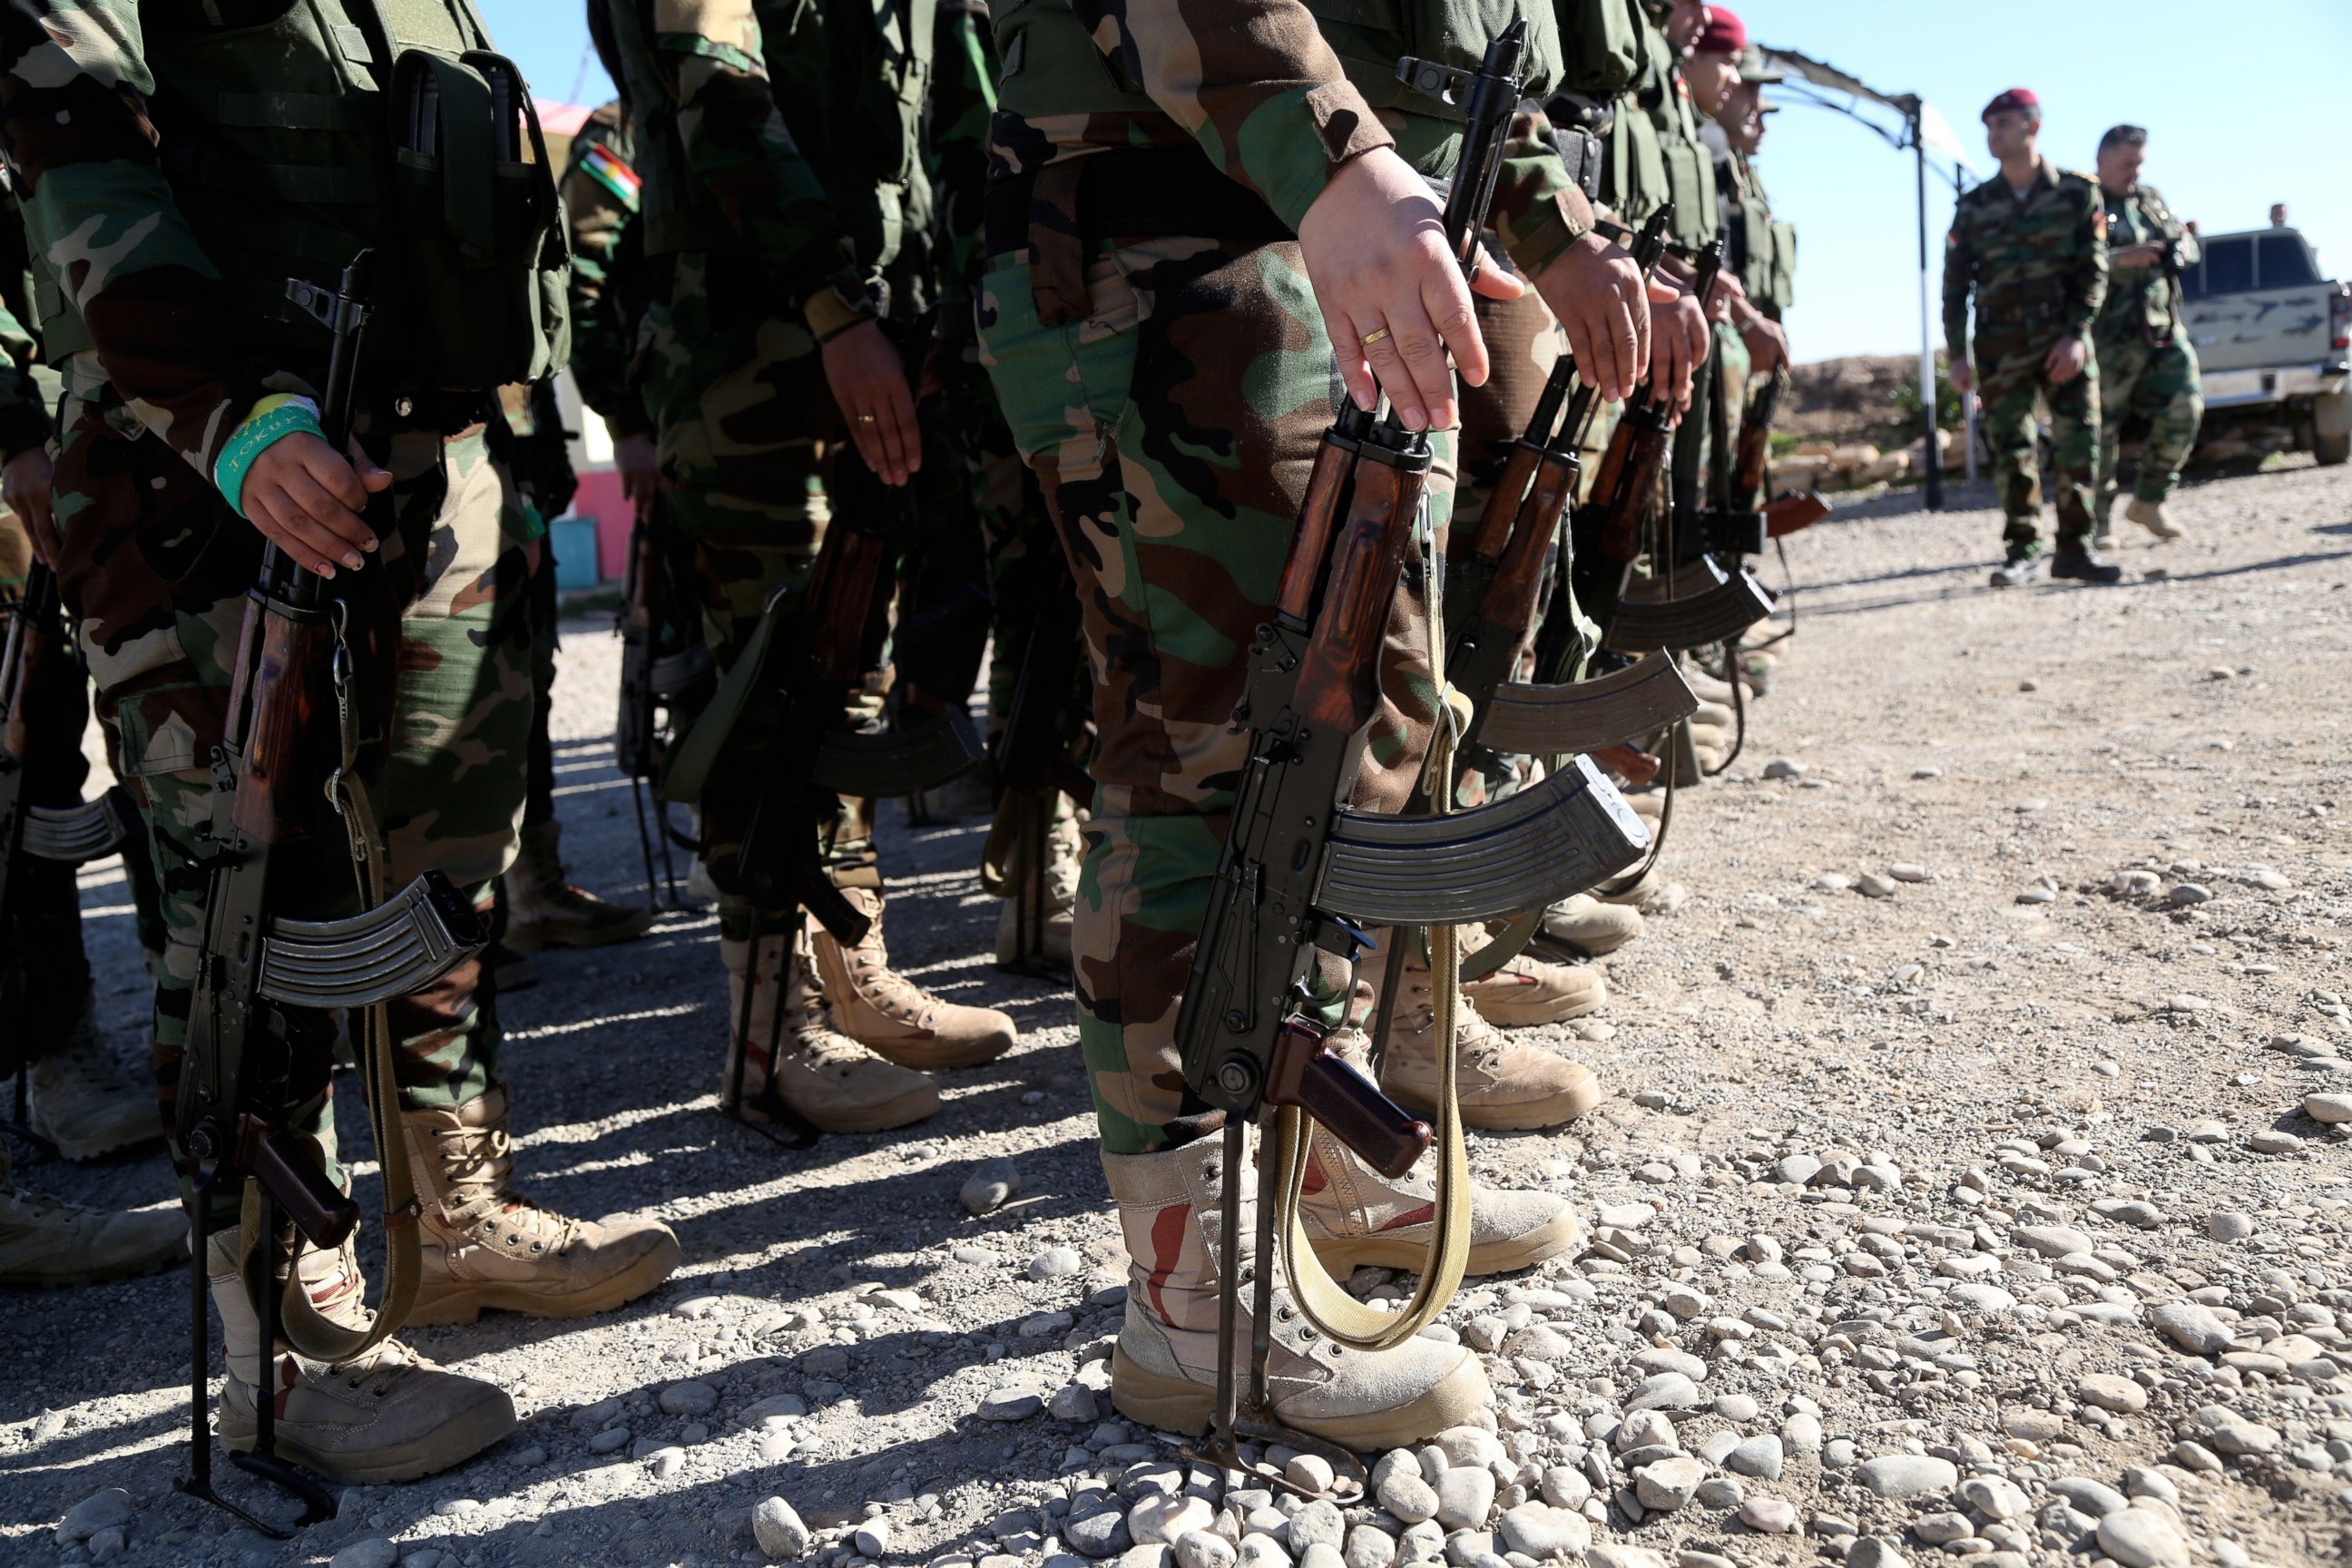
(2037, 263)
(74, 93)
(600, 199)
(26, 416)
(963, 99)
(1254, 85)
(2141, 300)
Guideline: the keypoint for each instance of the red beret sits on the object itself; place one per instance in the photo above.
(2015, 98)
(1724, 33)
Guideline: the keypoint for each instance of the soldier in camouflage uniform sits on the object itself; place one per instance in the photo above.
(786, 216)
(186, 414)
(1179, 242)
(2147, 369)
(2031, 243)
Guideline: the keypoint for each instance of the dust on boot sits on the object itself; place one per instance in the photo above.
(891, 1015)
(1503, 1084)
(783, 1043)
(1356, 1217)
(46, 1243)
(483, 1244)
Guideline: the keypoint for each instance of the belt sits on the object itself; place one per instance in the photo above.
(2010, 314)
(1125, 193)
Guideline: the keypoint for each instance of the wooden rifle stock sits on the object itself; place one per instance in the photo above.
(1338, 676)
(1752, 468)
(1318, 516)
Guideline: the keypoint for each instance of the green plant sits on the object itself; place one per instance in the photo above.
(1948, 414)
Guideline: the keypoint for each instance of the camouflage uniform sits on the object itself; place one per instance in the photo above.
(2146, 367)
(1170, 391)
(156, 566)
(2038, 264)
(599, 190)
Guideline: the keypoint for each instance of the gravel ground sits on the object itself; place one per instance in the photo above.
(1966, 1186)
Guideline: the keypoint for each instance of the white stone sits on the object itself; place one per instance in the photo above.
(1204, 1549)
(1668, 1484)
(1317, 1522)
(2331, 1108)
(1160, 1518)
(2191, 1327)
(871, 1539)
(1368, 1546)
(2109, 1392)
(2142, 1538)
(1010, 1405)
(779, 1530)
(1464, 1498)
(374, 1552)
(1908, 1475)
(693, 1398)
(1772, 1515)
(102, 1509)
(1544, 1533)
(1055, 1262)
(1760, 1456)
(1408, 1497)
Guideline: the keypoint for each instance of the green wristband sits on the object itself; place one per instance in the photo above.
(273, 419)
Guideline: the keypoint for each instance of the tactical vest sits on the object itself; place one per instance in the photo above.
(339, 125)
(1766, 248)
(1654, 151)
(1053, 67)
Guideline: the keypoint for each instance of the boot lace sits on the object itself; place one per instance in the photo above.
(478, 1171)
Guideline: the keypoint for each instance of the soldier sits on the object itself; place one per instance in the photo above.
(173, 175)
(2032, 245)
(785, 220)
(2148, 369)
(1188, 248)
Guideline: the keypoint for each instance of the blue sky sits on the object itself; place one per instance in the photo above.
(2245, 106)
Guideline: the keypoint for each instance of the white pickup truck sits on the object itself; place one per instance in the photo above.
(2272, 335)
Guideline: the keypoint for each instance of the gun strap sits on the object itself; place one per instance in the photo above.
(305, 1331)
(1330, 1309)
(696, 753)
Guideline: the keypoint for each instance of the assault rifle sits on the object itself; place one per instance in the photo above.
(1746, 522)
(806, 658)
(40, 845)
(666, 675)
(1033, 766)
(266, 980)
(1301, 873)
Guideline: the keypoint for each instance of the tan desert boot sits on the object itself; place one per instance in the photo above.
(389, 1415)
(891, 1015)
(2152, 516)
(47, 1245)
(1357, 1217)
(544, 909)
(1503, 1085)
(1589, 927)
(82, 1101)
(483, 1244)
(1164, 1368)
(1525, 992)
(1065, 847)
(823, 1076)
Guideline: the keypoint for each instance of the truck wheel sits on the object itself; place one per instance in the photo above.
(2332, 449)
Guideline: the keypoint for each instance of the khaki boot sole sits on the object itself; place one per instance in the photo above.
(926, 1056)
(1180, 1406)
(451, 1444)
(1504, 1009)
(533, 936)
(1506, 1257)
(78, 1144)
(439, 1303)
(1517, 1116)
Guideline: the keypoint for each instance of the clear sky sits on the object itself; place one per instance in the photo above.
(2245, 106)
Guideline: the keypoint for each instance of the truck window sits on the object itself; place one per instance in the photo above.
(2229, 266)
(2285, 261)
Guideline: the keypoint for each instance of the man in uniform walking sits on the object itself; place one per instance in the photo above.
(2148, 370)
(2031, 243)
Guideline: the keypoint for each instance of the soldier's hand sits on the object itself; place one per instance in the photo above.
(1768, 344)
(1595, 290)
(639, 465)
(307, 500)
(25, 491)
(2066, 362)
(1963, 376)
(869, 386)
(1392, 297)
(2132, 257)
(1678, 338)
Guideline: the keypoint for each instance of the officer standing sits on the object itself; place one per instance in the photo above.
(2032, 245)
(175, 172)
(1186, 248)
(2148, 369)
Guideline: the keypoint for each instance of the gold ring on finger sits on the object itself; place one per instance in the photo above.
(1368, 338)
(866, 419)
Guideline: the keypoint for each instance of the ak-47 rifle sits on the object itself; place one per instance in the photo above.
(806, 658)
(266, 982)
(41, 844)
(1746, 522)
(1301, 873)
(1035, 767)
(666, 675)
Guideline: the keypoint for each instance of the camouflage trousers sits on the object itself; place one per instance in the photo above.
(742, 415)
(156, 568)
(1173, 429)
(2160, 386)
(2010, 381)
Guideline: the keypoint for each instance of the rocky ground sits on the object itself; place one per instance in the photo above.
(1967, 1186)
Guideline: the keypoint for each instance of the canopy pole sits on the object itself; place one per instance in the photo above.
(1933, 451)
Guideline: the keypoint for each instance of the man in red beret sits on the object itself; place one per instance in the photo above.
(2032, 245)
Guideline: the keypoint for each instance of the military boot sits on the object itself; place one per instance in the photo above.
(486, 1244)
(1357, 1217)
(1503, 1085)
(544, 909)
(388, 1416)
(1588, 927)
(823, 1076)
(82, 1101)
(1065, 847)
(2075, 562)
(891, 1015)
(2022, 565)
(46, 1245)
(1529, 991)
(2152, 516)
(1164, 1370)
